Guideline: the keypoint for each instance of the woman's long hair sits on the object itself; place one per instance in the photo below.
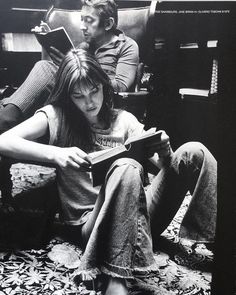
(81, 68)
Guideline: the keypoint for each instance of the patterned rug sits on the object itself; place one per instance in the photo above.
(51, 270)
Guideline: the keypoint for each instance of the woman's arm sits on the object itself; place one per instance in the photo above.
(18, 143)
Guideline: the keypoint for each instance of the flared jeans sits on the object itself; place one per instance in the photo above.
(191, 168)
(121, 242)
(131, 218)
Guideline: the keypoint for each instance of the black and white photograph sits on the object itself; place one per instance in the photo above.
(115, 147)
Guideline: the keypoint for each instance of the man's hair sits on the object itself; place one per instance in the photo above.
(105, 10)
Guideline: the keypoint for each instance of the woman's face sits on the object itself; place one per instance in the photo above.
(88, 100)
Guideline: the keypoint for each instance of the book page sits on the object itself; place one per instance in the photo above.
(146, 135)
(102, 155)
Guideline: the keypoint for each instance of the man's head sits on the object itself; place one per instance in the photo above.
(98, 17)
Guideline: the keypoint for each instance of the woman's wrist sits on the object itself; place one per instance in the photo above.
(52, 154)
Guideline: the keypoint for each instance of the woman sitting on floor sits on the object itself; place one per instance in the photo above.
(113, 220)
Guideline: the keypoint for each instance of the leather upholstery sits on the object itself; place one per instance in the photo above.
(134, 22)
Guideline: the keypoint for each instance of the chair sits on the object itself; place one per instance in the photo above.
(199, 110)
(136, 23)
(203, 94)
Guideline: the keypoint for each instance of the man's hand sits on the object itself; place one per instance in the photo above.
(72, 157)
(42, 28)
(162, 147)
(56, 55)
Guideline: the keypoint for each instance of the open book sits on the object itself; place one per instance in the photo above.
(57, 38)
(133, 148)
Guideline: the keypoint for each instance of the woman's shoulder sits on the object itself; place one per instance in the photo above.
(54, 117)
(49, 108)
(125, 115)
(128, 120)
(51, 111)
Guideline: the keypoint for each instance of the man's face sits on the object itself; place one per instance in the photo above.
(90, 26)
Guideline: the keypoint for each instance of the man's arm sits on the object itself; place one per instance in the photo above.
(57, 56)
(126, 67)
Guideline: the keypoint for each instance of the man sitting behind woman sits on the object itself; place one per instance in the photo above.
(113, 220)
(117, 54)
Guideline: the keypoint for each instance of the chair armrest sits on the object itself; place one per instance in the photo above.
(135, 95)
(134, 102)
(12, 161)
(197, 95)
(193, 91)
(147, 80)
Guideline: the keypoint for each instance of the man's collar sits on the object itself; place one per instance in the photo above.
(119, 36)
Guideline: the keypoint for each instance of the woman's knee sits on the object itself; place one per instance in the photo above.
(129, 163)
(126, 169)
(193, 151)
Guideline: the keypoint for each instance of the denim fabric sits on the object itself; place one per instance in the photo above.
(191, 168)
(120, 244)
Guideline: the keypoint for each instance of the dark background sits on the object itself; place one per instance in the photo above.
(211, 121)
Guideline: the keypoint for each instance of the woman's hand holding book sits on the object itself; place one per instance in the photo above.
(160, 146)
(72, 157)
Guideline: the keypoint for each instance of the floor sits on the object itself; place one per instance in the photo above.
(50, 270)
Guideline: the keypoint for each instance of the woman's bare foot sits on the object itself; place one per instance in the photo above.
(116, 286)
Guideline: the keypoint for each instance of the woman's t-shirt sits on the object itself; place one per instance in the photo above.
(76, 191)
